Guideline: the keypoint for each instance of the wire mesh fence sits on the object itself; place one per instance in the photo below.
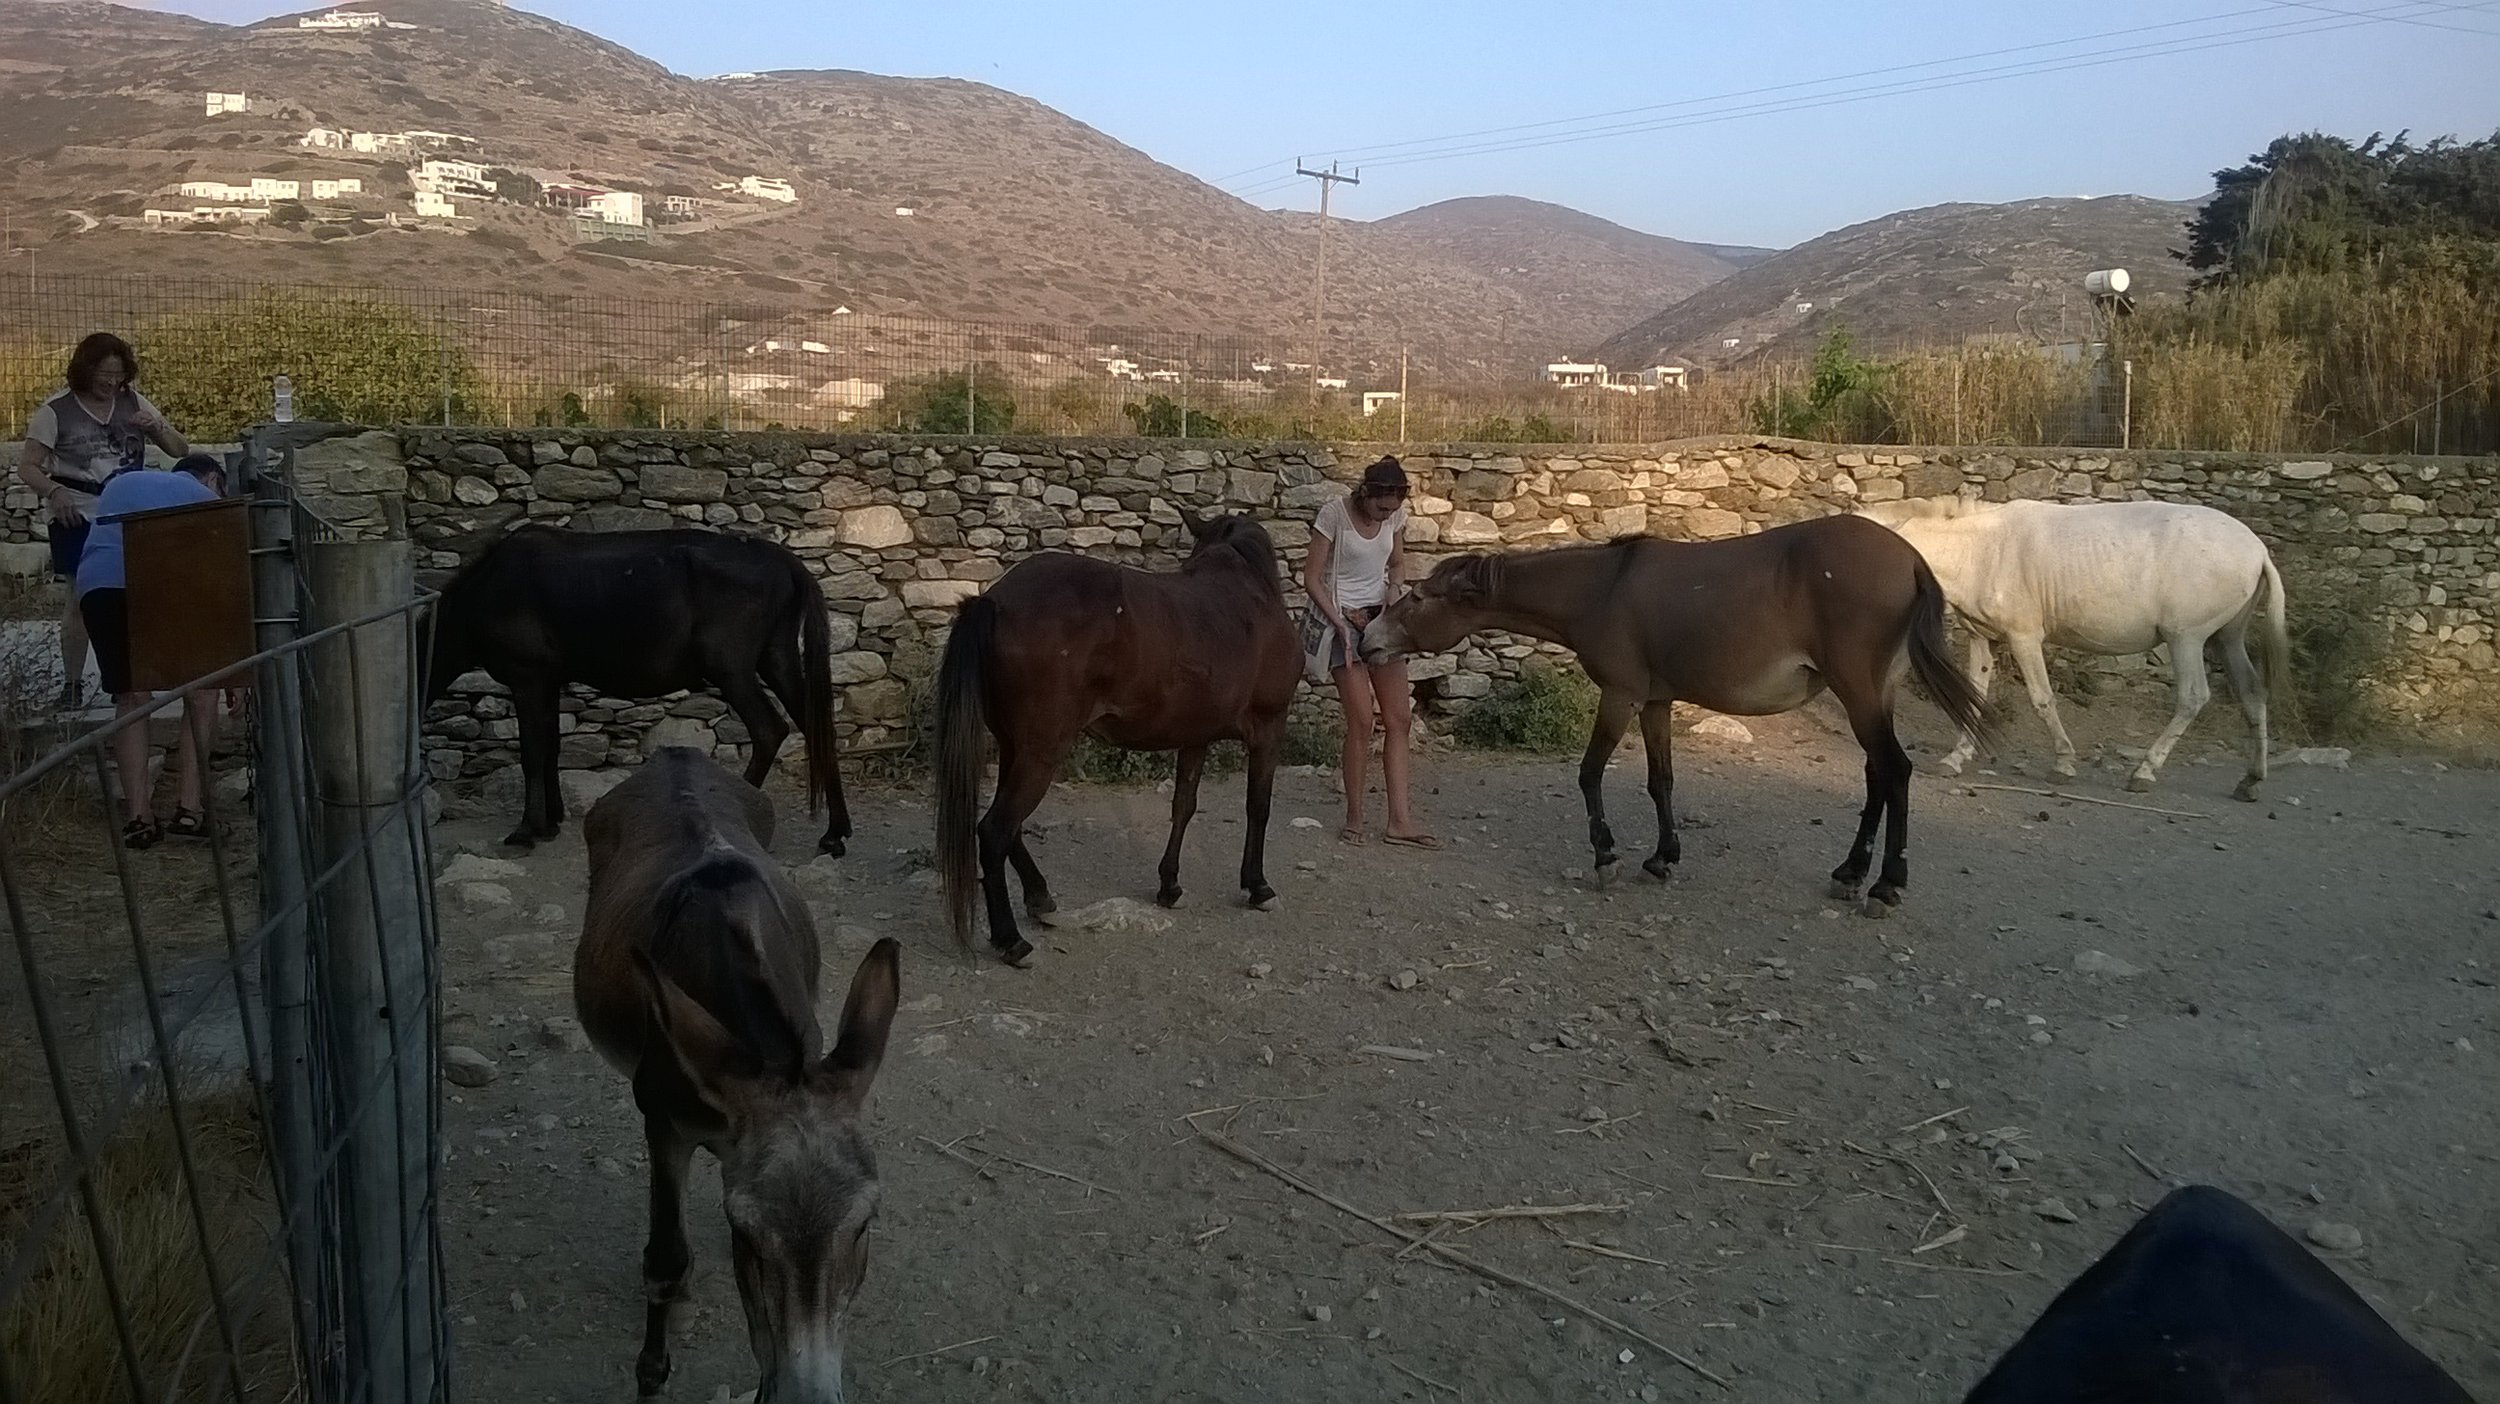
(217, 1055)
(440, 355)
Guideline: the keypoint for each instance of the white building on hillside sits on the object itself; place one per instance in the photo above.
(323, 139)
(1660, 378)
(1574, 374)
(219, 104)
(343, 19)
(433, 206)
(381, 144)
(768, 188)
(267, 189)
(440, 177)
(616, 206)
(333, 189)
(214, 190)
(1374, 399)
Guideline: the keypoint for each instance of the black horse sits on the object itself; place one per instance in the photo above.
(639, 614)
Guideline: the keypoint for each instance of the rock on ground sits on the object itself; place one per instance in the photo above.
(471, 867)
(466, 1067)
(1725, 728)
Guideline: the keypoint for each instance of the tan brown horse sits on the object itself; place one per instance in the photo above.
(1752, 625)
(1064, 645)
(696, 977)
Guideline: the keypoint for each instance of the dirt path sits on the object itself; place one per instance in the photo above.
(1786, 1102)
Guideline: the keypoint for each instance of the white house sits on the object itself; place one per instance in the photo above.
(1661, 378)
(1330, 382)
(219, 104)
(423, 138)
(1167, 377)
(768, 188)
(342, 19)
(904, 211)
(266, 189)
(1574, 374)
(206, 214)
(431, 205)
(850, 394)
(440, 177)
(333, 189)
(616, 206)
(322, 139)
(214, 190)
(381, 144)
(165, 216)
(1374, 399)
(1121, 368)
(680, 204)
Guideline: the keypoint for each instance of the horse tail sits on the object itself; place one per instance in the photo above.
(1937, 672)
(824, 770)
(2274, 639)
(963, 680)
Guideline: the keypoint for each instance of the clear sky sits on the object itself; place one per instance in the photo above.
(1219, 89)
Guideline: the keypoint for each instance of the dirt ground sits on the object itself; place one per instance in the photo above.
(1782, 1104)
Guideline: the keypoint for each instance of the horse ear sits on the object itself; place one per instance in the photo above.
(867, 1017)
(1197, 525)
(700, 1044)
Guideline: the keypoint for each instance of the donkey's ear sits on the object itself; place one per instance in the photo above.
(700, 1045)
(1197, 525)
(867, 1017)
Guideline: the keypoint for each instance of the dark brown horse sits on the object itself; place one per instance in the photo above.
(1065, 644)
(1752, 625)
(696, 977)
(642, 614)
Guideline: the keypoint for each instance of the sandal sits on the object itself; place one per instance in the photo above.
(1350, 837)
(141, 833)
(1426, 841)
(188, 823)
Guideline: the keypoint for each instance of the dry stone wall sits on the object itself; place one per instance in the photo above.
(2404, 551)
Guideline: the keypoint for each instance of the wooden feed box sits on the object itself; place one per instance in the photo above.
(189, 574)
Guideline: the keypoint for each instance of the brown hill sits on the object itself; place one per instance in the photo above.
(1017, 212)
(1935, 274)
(1584, 271)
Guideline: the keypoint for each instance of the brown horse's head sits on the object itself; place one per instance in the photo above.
(1235, 536)
(798, 1180)
(1445, 607)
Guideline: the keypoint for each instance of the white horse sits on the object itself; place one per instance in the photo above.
(2108, 578)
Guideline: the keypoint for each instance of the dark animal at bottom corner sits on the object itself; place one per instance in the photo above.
(642, 614)
(1063, 645)
(1748, 625)
(2205, 1301)
(696, 976)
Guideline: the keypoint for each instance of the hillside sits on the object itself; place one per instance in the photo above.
(1934, 274)
(1582, 270)
(932, 198)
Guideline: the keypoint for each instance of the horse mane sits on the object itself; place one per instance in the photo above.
(695, 944)
(1248, 541)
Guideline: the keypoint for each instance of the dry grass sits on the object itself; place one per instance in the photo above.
(58, 1333)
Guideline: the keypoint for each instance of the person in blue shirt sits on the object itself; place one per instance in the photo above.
(104, 605)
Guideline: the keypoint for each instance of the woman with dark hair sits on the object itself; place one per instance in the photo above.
(97, 426)
(1356, 566)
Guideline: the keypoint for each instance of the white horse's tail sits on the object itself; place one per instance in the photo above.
(2274, 641)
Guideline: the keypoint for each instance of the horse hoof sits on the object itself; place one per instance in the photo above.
(2246, 792)
(1947, 765)
(831, 847)
(1843, 890)
(1263, 900)
(1876, 908)
(1168, 898)
(2140, 782)
(1607, 871)
(1659, 868)
(1019, 955)
(521, 839)
(1047, 916)
(650, 1375)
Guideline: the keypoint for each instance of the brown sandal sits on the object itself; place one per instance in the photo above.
(141, 833)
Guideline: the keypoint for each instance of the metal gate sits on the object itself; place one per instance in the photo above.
(220, 1118)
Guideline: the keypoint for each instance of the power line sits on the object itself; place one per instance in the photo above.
(1937, 83)
(1508, 138)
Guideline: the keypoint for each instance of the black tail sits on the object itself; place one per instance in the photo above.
(963, 677)
(824, 769)
(1952, 689)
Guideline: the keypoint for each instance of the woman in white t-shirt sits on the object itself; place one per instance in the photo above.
(1356, 566)
(98, 426)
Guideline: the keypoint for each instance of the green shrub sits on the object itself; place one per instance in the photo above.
(1160, 417)
(950, 402)
(1546, 709)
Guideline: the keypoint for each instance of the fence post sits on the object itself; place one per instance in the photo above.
(374, 964)
(1401, 394)
(2126, 409)
(972, 396)
(278, 792)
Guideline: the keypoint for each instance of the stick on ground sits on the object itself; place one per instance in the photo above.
(1508, 1211)
(2088, 799)
(1252, 1158)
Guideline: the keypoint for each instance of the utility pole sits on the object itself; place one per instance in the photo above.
(1328, 180)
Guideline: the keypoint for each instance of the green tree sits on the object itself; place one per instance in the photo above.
(950, 402)
(1159, 417)
(1841, 400)
(353, 358)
